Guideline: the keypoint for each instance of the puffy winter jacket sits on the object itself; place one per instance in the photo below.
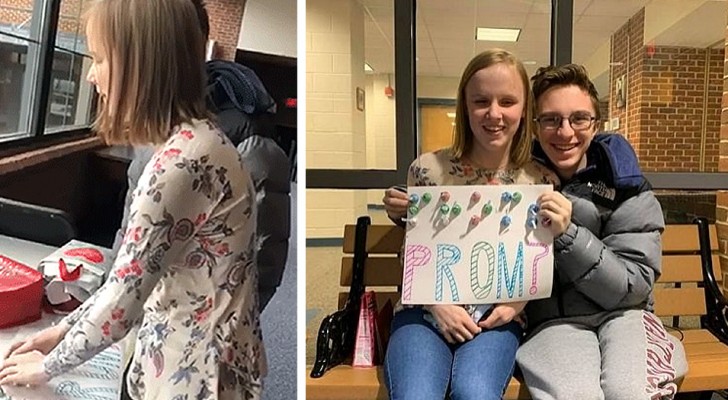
(610, 255)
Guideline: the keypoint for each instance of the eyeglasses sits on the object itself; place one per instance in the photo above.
(577, 121)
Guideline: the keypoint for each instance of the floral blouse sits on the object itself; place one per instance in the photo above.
(186, 274)
(441, 168)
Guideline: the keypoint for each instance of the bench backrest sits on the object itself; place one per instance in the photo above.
(679, 292)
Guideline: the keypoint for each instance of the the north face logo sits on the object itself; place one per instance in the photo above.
(602, 190)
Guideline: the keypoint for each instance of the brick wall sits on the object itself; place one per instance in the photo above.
(626, 59)
(16, 12)
(666, 117)
(225, 19)
(679, 113)
(604, 110)
(722, 197)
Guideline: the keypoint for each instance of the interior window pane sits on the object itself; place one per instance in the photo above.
(71, 97)
(350, 84)
(13, 107)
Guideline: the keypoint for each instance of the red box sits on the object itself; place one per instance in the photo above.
(21, 293)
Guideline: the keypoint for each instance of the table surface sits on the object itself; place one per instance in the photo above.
(59, 388)
(26, 252)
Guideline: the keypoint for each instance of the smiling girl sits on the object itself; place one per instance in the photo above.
(492, 145)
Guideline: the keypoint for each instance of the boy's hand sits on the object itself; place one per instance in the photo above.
(557, 208)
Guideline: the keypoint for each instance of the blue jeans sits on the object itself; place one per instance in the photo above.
(420, 364)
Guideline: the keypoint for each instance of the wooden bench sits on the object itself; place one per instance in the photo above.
(688, 287)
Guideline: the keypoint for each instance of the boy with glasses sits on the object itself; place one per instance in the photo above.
(596, 337)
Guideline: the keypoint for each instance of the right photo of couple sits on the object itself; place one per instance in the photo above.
(516, 200)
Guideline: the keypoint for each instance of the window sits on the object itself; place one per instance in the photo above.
(39, 96)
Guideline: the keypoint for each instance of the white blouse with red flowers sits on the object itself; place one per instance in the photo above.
(186, 274)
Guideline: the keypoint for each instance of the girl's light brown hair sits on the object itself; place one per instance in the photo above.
(520, 152)
(155, 51)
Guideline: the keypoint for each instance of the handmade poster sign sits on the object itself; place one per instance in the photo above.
(476, 245)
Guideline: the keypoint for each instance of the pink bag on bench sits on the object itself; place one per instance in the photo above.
(365, 348)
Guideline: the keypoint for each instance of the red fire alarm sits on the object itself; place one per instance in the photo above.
(650, 49)
(388, 91)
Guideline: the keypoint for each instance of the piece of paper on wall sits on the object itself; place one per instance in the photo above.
(476, 245)
(98, 379)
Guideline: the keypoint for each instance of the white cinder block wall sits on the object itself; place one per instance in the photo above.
(335, 129)
(338, 136)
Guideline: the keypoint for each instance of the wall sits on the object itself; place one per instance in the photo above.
(335, 128)
(381, 146)
(432, 87)
(665, 116)
(674, 127)
(626, 60)
(722, 197)
(269, 26)
(225, 20)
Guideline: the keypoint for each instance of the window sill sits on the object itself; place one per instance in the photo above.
(37, 156)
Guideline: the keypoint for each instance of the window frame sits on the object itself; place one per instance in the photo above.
(36, 92)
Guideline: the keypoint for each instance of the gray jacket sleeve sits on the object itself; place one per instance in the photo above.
(620, 269)
(269, 168)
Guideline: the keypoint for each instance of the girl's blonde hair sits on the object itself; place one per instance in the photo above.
(520, 152)
(155, 51)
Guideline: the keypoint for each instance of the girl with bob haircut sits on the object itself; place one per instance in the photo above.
(185, 273)
(469, 349)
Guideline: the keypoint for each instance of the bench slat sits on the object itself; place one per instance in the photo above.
(381, 239)
(347, 382)
(705, 375)
(378, 271)
(385, 239)
(695, 336)
(679, 301)
(707, 349)
(684, 238)
(686, 268)
(387, 271)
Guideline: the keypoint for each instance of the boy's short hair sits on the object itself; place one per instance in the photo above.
(564, 75)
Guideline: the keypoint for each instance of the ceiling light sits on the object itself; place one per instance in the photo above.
(368, 68)
(530, 63)
(497, 34)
